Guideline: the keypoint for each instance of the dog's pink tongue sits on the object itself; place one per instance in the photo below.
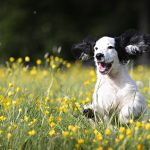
(102, 67)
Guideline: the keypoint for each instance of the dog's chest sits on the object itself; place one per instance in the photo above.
(105, 95)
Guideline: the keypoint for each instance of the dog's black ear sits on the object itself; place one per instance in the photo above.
(132, 44)
(85, 49)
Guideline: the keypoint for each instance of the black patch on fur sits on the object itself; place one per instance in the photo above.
(85, 49)
(89, 113)
(135, 38)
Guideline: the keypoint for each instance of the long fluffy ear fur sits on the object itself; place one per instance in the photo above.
(132, 44)
(85, 49)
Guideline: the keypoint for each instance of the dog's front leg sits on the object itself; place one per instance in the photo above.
(88, 111)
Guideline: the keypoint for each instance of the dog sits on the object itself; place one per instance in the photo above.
(115, 91)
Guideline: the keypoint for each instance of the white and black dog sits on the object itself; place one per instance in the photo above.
(115, 91)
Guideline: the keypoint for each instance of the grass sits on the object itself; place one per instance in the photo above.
(40, 108)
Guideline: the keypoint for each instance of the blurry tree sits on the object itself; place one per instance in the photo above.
(35, 27)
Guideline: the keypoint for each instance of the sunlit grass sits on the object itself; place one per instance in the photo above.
(40, 108)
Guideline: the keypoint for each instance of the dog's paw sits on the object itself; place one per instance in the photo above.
(89, 113)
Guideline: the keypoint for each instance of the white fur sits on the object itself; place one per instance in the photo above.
(115, 90)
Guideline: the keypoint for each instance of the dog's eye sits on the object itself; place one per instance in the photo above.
(96, 48)
(110, 47)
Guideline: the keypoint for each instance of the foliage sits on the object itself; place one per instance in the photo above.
(35, 27)
(40, 108)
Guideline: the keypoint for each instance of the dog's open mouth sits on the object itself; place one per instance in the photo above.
(104, 67)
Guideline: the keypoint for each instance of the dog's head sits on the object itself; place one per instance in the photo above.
(105, 54)
(111, 52)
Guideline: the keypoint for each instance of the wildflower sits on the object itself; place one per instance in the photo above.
(32, 122)
(65, 133)
(59, 119)
(17, 89)
(10, 93)
(26, 118)
(27, 59)
(32, 132)
(121, 136)
(110, 148)
(140, 147)
(80, 141)
(19, 60)
(52, 124)
(38, 61)
(147, 126)
(50, 119)
(107, 131)
(1, 131)
(14, 102)
(11, 59)
(9, 135)
(73, 128)
(52, 132)
(2, 118)
(68, 65)
(117, 140)
(131, 121)
(10, 85)
(138, 124)
(77, 146)
(148, 137)
(20, 110)
(122, 129)
(129, 132)
(99, 148)
(86, 131)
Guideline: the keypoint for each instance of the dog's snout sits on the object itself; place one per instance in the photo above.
(99, 56)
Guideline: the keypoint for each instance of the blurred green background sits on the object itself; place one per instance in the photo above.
(34, 27)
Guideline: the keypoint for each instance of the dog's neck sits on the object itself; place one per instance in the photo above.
(118, 76)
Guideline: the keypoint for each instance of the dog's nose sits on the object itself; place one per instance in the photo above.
(99, 56)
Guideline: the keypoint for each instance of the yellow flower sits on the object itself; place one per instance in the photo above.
(59, 119)
(10, 85)
(147, 126)
(52, 124)
(50, 119)
(1, 131)
(138, 124)
(110, 148)
(26, 118)
(121, 136)
(19, 60)
(38, 61)
(9, 135)
(10, 93)
(77, 146)
(107, 131)
(52, 132)
(65, 133)
(131, 121)
(148, 137)
(99, 148)
(32, 132)
(122, 129)
(129, 132)
(27, 59)
(68, 65)
(17, 89)
(80, 141)
(117, 140)
(11, 59)
(73, 128)
(140, 147)
(2, 118)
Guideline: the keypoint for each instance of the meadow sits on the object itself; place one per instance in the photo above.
(41, 108)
